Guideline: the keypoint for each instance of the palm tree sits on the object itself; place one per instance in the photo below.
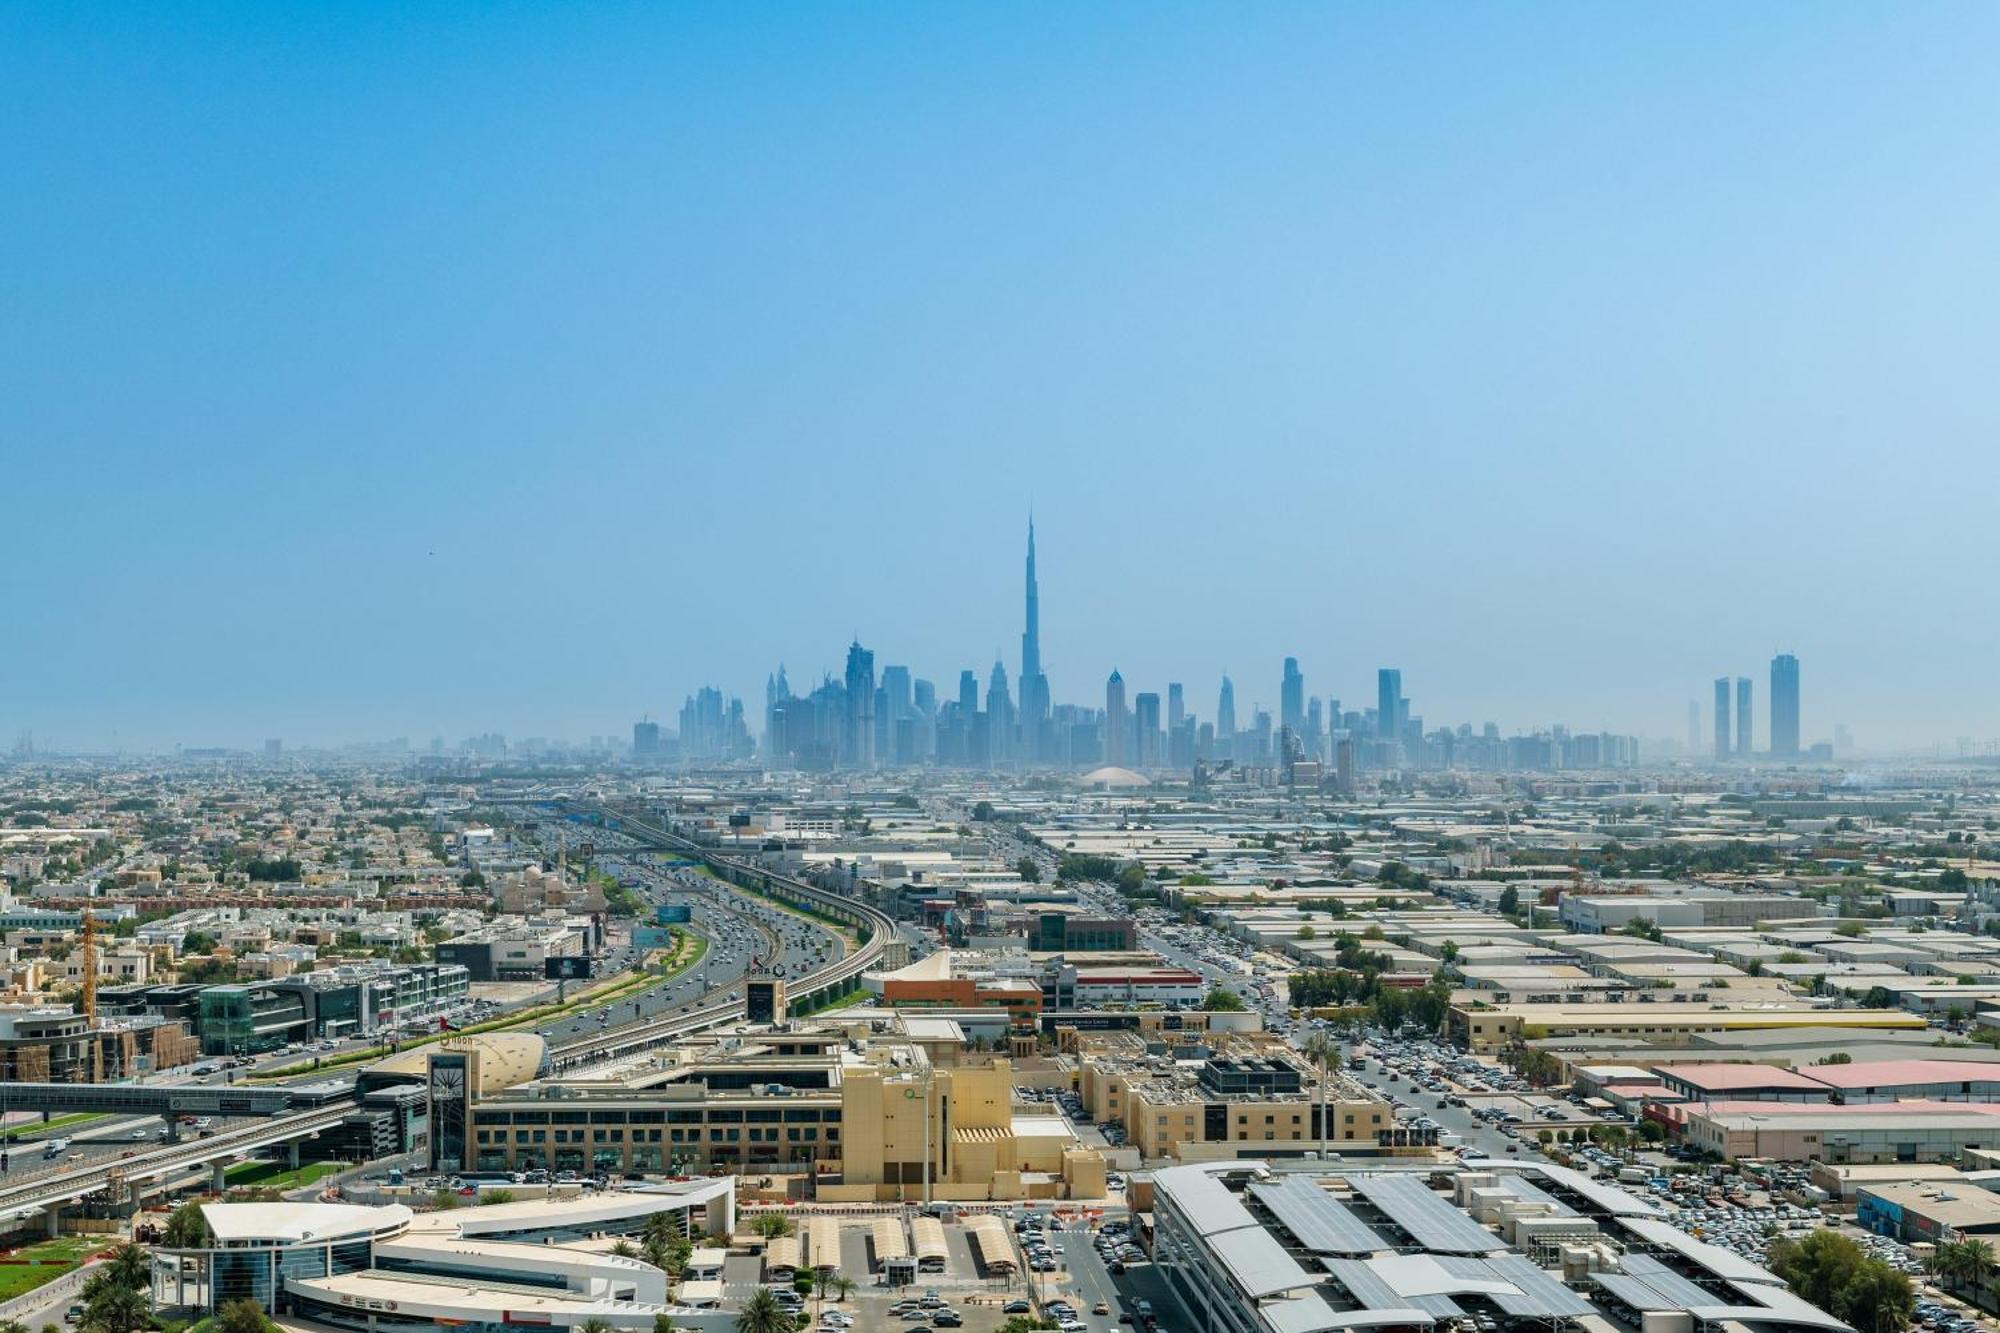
(843, 1287)
(187, 1229)
(624, 1249)
(129, 1266)
(657, 1251)
(117, 1309)
(594, 1326)
(762, 1314)
(1323, 1051)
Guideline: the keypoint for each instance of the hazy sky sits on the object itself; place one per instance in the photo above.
(423, 369)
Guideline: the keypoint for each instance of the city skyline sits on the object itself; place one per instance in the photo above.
(365, 380)
(715, 721)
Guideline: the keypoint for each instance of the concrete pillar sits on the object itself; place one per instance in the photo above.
(221, 1176)
(54, 1216)
(292, 1154)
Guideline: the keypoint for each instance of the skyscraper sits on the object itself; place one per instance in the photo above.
(1000, 716)
(1743, 745)
(1146, 728)
(1225, 711)
(1176, 706)
(858, 745)
(1292, 698)
(1034, 685)
(1721, 717)
(1784, 706)
(1115, 722)
(1389, 703)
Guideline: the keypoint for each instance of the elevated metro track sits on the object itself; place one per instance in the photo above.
(147, 1167)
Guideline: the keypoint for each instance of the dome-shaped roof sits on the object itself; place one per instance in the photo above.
(1111, 776)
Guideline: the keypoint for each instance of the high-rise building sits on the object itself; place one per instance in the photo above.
(1784, 706)
(1721, 718)
(1389, 707)
(1000, 716)
(1225, 712)
(1115, 722)
(968, 693)
(1034, 685)
(1743, 744)
(1176, 706)
(858, 747)
(1146, 728)
(1292, 698)
(645, 740)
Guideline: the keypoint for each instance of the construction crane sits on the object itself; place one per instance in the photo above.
(90, 992)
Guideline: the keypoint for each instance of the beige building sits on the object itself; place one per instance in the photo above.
(1248, 1092)
(1486, 1027)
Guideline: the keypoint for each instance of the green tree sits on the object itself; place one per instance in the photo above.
(197, 942)
(771, 1225)
(1029, 869)
(663, 1324)
(1305, 933)
(1510, 901)
(241, 1315)
(761, 1313)
(187, 1229)
(1222, 1000)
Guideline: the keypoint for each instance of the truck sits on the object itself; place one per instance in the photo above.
(54, 1148)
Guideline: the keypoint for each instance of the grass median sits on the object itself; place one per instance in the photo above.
(688, 949)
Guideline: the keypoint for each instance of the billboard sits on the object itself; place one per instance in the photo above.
(652, 937)
(673, 914)
(570, 967)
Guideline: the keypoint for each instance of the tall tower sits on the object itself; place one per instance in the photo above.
(1389, 703)
(1722, 717)
(859, 747)
(1225, 710)
(1784, 706)
(1034, 685)
(1114, 721)
(1743, 745)
(1292, 698)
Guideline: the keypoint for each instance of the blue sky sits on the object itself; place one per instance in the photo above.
(428, 369)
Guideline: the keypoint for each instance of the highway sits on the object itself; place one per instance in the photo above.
(813, 956)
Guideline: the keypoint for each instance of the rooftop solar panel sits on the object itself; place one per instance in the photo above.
(1543, 1296)
(1318, 1222)
(1367, 1287)
(1427, 1219)
(1680, 1292)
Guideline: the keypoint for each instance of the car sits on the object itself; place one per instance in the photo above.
(1102, 1307)
(1016, 1307)
(916, 1316)
(946, 1319)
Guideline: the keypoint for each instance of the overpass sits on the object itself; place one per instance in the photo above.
(161, 1099)
(145, 1169)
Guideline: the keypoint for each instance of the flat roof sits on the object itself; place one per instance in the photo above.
(452, 1297)
(1903, 1073)
(1726, 1077)
(288, 1222)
